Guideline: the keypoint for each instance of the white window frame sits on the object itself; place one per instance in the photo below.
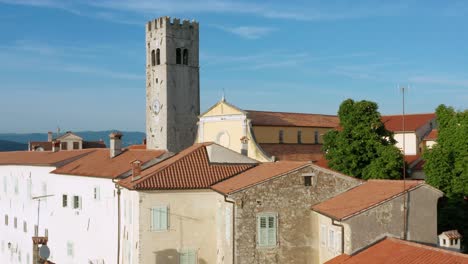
(66, 196)
(270, 231)
(331, 239)
(161, 228)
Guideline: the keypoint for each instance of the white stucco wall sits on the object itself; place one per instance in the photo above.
(411, 144)
(327, 250)
(91, 229)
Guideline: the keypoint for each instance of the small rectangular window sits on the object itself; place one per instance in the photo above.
(187, 256)
(316, 137)
(70, 250)
(307, 180)
(76, 145)
(76, 202)
(64, 146)
(266, 230)
(64, 200)
(6, 220)
(25, 227)
(299, 137)
(96, 193)
(16, 185)
(15, 222)
(159, 218)
(281, 136)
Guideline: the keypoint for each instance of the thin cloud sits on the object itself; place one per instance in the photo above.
(248, 32)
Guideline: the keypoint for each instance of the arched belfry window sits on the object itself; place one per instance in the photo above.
(185, 57)
(178, 56)
(158, 57)
(153, 58)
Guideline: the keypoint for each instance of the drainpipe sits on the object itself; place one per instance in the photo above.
(226, 199)
(342, 234)
(118, 219)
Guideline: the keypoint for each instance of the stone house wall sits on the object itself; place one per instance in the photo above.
(291, 200)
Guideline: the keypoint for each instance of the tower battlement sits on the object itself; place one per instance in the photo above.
(167, 22)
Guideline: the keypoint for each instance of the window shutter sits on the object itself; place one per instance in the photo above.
(154, 217)
(272, 231)
(262, 230)
(163, 218)
(338, 242)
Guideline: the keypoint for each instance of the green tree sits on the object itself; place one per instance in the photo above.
(362, 147)
(446, 168)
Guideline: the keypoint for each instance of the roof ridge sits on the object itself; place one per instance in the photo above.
(297, 113)
(432, 113)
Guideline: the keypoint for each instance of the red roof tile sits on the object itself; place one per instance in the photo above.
(141, 146)
(99, 163)
(261, 173)
(264, 118)
(363, 197)
(412, 121)
(295, 152)
(392, 250)
(189, 169)
(40, 157)
(410, 159)
(432, 135)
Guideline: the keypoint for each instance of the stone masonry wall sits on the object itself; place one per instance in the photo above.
(287, 196)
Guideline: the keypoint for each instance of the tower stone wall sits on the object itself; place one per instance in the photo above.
(172, 83)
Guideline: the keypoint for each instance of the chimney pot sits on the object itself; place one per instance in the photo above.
(115, 144)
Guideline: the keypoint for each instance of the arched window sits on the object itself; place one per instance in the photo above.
(158, 57)
(153, 58)
(185, 57)
(178, 56)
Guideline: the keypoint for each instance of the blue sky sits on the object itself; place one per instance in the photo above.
(80, 65)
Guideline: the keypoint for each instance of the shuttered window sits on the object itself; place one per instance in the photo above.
(266, 230)
(187, 256)
(159, 218)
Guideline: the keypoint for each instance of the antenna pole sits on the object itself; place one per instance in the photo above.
(405, 209)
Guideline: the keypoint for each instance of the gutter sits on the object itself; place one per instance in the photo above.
(233, 227)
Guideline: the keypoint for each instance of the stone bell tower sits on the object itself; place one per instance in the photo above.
(172, 83)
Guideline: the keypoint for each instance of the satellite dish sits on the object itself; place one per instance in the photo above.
(44, 252)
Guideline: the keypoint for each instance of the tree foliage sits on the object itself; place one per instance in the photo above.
(446, 168)
(363, 147)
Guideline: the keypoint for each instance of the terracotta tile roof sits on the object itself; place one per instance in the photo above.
(259, 174)
(412, 121)
(296, 152)
(99, 164)
(264, 118)
(432, 135)
(452, 234)
(141, 146)
(363, 197)
(392, 250)
(189, 169)
(40, 157)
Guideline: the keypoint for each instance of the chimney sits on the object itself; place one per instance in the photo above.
(55, 145)
(49, 136)
(115, 144)
(136, 169)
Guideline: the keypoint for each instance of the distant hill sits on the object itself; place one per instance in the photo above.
(129, 138)
(6, 145)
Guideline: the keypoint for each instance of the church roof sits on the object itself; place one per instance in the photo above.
(296, 152)
(412, 121)
(265, 118)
